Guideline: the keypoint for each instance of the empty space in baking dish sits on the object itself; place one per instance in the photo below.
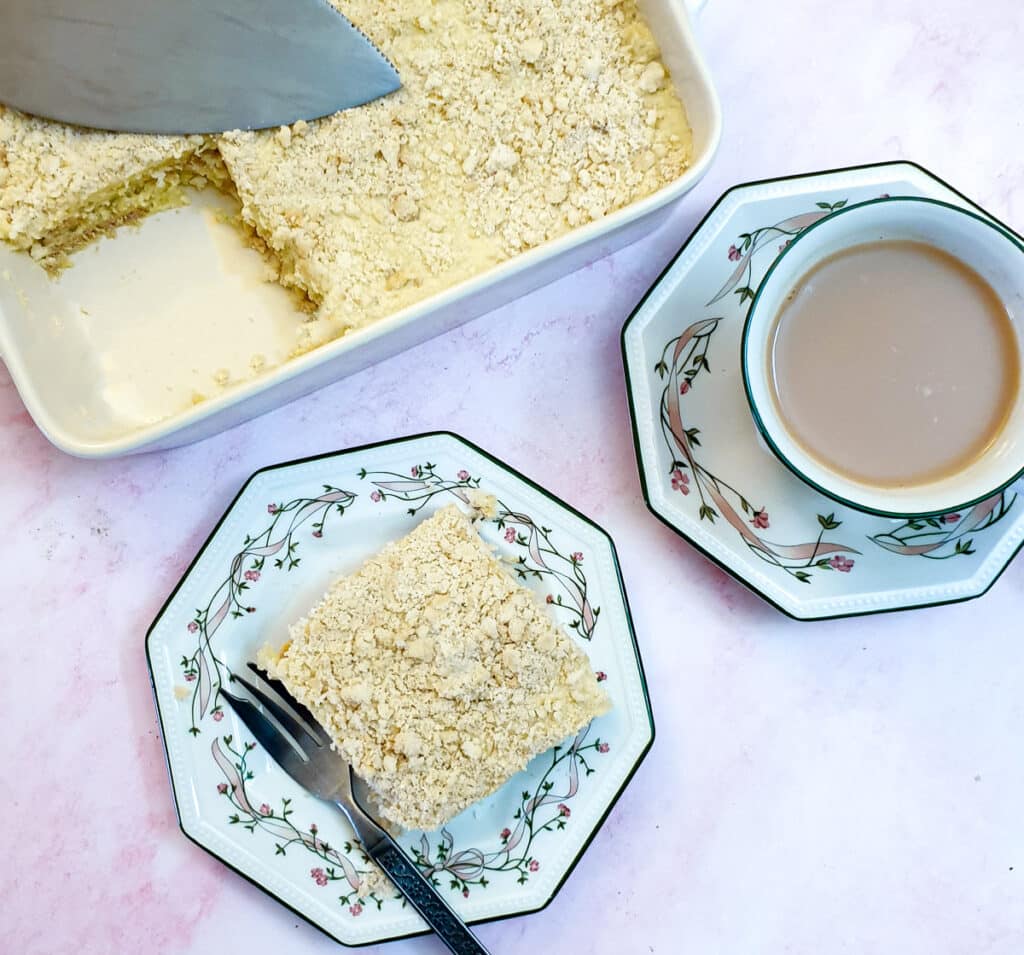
(147, 324)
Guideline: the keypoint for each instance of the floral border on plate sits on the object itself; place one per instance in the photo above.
(521, 845)
(664, 369)
(280, 543)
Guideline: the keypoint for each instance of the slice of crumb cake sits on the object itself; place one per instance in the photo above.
(62, 186)
(437, 675)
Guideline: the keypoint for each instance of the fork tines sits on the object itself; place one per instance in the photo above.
(298, 727)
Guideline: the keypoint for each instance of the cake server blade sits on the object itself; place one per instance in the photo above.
(185, 66)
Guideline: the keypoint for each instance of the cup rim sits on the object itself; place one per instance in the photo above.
(1004, 231)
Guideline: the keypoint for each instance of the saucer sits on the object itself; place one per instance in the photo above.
(292, 530)
(707, 473)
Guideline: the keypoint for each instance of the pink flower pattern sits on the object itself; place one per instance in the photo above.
(951, 518)
(415, 470)
(687, 352)
(603, 747)
(760, 519)
(680, 482)
(601, 676)
(843, 564)
(319, 875)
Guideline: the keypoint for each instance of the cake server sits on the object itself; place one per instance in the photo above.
(309, 759)
(185, 66)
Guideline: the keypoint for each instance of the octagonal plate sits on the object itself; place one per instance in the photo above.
(291, 531)
(705, 470)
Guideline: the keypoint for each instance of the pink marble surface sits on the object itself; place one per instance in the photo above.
(856, 786)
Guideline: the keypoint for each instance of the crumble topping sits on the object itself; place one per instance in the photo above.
(48, 170)
(517, 121)
(437, 676)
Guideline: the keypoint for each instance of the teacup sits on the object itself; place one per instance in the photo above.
(990, 252)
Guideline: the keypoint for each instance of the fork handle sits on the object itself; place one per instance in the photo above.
(425, 898)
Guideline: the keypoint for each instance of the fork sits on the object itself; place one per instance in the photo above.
(328, 776)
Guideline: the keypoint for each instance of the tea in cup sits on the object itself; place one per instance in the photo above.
(882, 357)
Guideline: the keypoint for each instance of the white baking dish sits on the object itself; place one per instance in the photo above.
(123, 353)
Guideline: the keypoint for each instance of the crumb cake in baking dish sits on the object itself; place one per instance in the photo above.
(437, 676)
(518, 121)
(61, 187)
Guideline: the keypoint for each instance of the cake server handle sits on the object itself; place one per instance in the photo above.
(424, 898)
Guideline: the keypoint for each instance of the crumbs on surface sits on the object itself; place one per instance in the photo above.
(437, 675)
